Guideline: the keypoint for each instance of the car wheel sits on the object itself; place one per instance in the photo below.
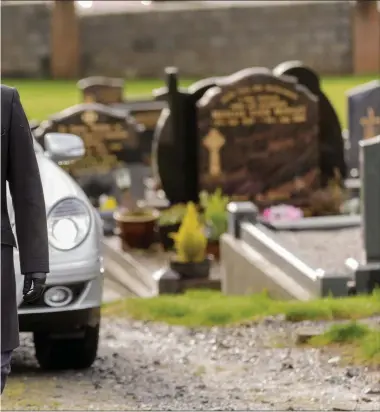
(71, 353)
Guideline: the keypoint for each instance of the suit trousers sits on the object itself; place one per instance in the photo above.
(5, 367)
(9, 316)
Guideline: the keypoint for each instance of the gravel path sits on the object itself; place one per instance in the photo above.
(144, 366)
(326, 249)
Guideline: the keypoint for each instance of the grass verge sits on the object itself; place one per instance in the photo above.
(361, 341)
(42, 98)
(210, 308)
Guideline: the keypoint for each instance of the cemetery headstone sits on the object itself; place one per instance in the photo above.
(111, 141)
(370, 166)
(259, 139)
(110, 91)
(178, 174)
(331, 142)
(146, 113)
(367, 273)
(363, 119)
(100, 89)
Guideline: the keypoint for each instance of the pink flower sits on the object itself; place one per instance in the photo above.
(282, 212)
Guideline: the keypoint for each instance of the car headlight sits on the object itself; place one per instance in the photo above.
(68, 223)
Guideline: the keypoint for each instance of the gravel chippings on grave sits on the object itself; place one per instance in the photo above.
(145, 366)
(325, 249)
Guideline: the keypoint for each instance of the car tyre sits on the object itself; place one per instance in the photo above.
(72, 353)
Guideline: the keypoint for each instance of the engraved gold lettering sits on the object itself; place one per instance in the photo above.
(95, 136)
(247, 106)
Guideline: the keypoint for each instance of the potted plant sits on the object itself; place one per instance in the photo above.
(215, 215)
(169, 221)
(190, 245)
(137, 226)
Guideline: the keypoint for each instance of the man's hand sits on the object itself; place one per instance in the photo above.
(34, 285)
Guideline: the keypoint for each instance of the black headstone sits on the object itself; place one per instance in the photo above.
(363, 119)
(331, 143)
(174, 149)
(259, 138)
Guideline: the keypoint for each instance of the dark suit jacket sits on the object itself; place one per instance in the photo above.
(19, 167)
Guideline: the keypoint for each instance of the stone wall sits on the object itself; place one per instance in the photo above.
(25, 40)
(201, 42)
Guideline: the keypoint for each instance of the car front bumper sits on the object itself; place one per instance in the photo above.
(85, 280)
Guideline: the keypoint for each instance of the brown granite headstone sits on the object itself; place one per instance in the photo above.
(259, 139)
(100, 89)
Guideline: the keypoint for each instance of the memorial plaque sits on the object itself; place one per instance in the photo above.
(104, 90)
(259, 139)
(331, 142)
(363, 119)
(111, 138)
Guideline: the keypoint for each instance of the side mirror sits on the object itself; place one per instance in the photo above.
(64, 147)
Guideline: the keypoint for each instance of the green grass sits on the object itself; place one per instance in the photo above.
(362, 342)
(41, 98)
(210, 308)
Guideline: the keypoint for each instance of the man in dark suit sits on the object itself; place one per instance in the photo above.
(19, 167)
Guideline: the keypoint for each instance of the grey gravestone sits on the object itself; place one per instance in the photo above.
(367, 273)
(101, 89)
(363, 120)
(370, 171)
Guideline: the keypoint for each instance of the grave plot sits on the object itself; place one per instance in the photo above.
(142, 270)
(257, 137)
(271, 138)
(299, 262)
